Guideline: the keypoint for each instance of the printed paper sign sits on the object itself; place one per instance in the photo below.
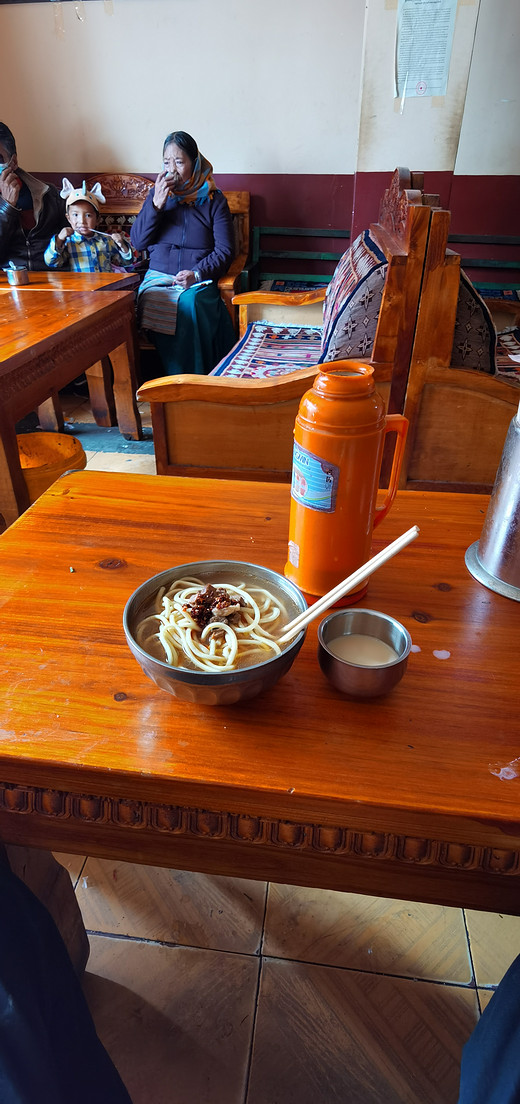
(423, 47)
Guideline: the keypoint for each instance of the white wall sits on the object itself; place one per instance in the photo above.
(264, 88)
(420, 133)
(490, 134)
(281, 86)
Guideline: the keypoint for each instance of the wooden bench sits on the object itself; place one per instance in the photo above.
(458, 416)
(495, 270)
(242, 428)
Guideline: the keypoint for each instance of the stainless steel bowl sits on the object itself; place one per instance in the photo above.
(357, 680)
(209, 688)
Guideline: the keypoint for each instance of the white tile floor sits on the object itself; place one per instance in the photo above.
(210, 989)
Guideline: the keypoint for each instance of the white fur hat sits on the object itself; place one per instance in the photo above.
(74, 195)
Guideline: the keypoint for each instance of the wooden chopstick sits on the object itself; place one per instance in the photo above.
(350, 583)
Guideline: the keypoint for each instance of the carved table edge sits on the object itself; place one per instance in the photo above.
(196, 823)
(63, 350)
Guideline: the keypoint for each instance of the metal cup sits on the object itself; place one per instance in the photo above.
(17, 276)
(356, 679)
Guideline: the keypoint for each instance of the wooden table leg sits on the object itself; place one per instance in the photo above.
(14, 496)
(50, 414)
(50, 882)
(99, 379)
(125, 387)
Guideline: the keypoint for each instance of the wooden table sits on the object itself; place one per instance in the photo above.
(51, 279)
(47, 339)
(99, 375)
(415, 796)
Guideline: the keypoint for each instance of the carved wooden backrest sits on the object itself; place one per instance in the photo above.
(405, 191)
(402, 234)
(123, 191)
(125, 194)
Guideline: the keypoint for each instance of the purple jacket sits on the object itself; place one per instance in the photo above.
(186, 236)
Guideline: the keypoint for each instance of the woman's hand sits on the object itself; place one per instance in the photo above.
(10, 184)
(185, 278)
(161, 190)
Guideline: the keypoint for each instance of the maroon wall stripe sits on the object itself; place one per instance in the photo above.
(279, 199)
(485, 205)
(478, 204)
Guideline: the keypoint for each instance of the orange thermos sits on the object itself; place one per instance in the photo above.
(339, 436)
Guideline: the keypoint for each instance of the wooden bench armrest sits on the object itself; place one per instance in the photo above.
(233, 271)
(220, 389)
(281, 298)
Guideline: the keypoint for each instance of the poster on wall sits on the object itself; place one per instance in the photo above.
(423, 47)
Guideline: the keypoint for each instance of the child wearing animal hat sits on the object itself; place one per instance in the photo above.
(79, 247)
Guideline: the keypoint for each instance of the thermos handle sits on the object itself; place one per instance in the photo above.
(395, 423)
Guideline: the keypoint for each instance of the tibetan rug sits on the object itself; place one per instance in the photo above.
(266, 350)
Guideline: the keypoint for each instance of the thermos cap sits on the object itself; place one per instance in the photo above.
(344, 378)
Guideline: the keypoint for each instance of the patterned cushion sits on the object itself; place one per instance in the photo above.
(346, 291)
(267, 350)
(355, 328)
(474, 339)
(508, 356)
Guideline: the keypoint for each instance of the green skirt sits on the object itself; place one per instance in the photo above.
(204, 333)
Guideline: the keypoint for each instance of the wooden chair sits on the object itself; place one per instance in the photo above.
(228, 428)
(236, 278)
(125, 194)
(458, 417)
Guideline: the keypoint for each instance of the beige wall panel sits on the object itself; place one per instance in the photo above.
(489, 140)
(424, 134)
(270, 88)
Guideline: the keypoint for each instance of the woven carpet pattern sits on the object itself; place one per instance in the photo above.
(266, 350)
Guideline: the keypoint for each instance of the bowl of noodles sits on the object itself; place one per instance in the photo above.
(207, 632)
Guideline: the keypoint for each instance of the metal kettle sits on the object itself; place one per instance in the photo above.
(495, 559)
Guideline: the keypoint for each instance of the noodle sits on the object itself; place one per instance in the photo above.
(215, 626)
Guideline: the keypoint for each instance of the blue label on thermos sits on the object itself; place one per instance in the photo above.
(314, 481)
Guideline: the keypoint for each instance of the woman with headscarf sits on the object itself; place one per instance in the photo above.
(185, 225)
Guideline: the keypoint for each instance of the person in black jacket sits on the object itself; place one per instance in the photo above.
(49, 1049)
(31, 212)
(185, 225)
